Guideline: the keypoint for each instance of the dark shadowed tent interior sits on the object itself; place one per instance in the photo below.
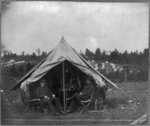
(61, 64)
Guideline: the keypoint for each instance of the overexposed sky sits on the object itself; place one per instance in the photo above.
(27, 26)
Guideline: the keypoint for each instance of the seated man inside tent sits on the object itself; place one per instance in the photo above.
(47, 96)
(83, 95)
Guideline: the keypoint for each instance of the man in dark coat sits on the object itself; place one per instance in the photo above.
(85, 94)
(47, 96)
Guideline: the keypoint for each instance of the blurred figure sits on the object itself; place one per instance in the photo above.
(100, 94)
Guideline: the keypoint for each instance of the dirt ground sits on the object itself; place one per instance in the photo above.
(121, 108)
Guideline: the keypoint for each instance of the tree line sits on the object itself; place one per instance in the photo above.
(135, 59)
(138, 59)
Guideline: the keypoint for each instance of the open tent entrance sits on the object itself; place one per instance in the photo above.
(63, 80)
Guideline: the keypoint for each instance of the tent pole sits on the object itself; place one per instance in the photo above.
(64, 92)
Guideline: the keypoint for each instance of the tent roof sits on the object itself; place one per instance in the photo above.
(63, 51)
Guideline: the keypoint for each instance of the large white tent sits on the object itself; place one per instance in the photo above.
(63, 51)
(58, 56)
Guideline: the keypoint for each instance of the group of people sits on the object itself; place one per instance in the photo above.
(47, 97)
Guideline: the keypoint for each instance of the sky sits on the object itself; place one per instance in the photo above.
(28, 25)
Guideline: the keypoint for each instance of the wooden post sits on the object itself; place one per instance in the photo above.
(125, 69)
(64, 91)
(96, 105)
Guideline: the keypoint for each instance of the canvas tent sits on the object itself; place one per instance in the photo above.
(61, 55)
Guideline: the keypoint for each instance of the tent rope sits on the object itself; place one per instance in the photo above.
(134, 104)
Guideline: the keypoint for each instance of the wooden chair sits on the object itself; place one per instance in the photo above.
(30, 104)
(86, 103)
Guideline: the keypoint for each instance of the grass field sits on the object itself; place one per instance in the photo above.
(117, 108)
